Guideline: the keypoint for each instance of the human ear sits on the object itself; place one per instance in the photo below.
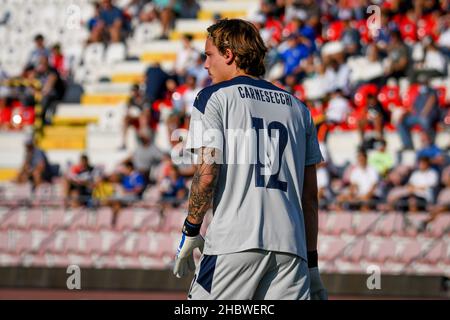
(229, 56)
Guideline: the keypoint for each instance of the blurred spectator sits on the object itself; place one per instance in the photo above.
(26, 93)
(188, 9)
(296, 49)
(373, 114)
(130, 185)
(434, 63)
(53, 88)
(337, 72)
(135, 115)
(78, 183)
(425, 112)
(381, 159)
(199, 72)
(367, 68)
(57, 60)
(94, 21)
(166, 10)
(5, 109)
(40, 50)
(397, 60)
(185, 97)
(110, 26)
(431, 151)
(363, 186)
(350, 36)
(148, 13)
(35, 167)
(155, 83)
(172, 188)
(336, 113)
(418, 193)
(146, 157)
(185, 57)
(323, 185)
(442, 203)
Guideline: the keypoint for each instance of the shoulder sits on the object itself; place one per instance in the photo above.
(204, 96)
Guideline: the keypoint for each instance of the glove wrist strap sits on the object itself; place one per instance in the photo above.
(191, 229)
(312, 259)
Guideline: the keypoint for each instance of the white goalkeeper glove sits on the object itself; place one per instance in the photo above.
(184, 259)
(317, 290)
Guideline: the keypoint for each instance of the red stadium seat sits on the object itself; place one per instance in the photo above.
(360, 97)
(438, 226)
(173, 220)
(330, 247)
(339, 223)
(408, 251)
(435, 253)
(131, 218)
(364, 32)
(78, 241)
(128, 245)
(410, 96)
(386, 225)
(101, 219)
(389, 95)
(334, 31)
(55, 244)
(362, 222)
(354, 252)
(379, 250)
(7, 260)
(442, 96)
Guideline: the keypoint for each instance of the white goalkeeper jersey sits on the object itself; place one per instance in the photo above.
(266, 137)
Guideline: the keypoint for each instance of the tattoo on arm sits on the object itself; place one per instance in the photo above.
(203, 186)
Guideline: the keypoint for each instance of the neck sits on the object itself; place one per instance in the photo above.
(239, 72)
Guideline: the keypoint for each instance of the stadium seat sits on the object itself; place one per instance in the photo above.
(410, 96)
(360, 97)
(77, 241)
(386, 225)
(329, 247)
(408, 251)
(56, 243)
(379, 250)
(146, 32)
(80, 260)
(93, 54)
(435, 253)
(354, 252)
(128, 244)
(438, 226)
(7, 260)
(173, 220)
(115, 52)
(364, 222)
(339, 223)
(100, 219)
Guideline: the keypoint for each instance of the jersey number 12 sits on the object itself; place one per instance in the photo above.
(274, 182)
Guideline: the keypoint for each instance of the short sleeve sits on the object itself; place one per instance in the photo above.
(206, 124)
(313, 154)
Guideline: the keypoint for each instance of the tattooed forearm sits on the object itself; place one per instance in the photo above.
(203, 186)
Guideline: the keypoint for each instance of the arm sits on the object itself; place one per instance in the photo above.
(428, 105)
(49, 84)
(310, 204)
(203, 186)
(202, 192)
